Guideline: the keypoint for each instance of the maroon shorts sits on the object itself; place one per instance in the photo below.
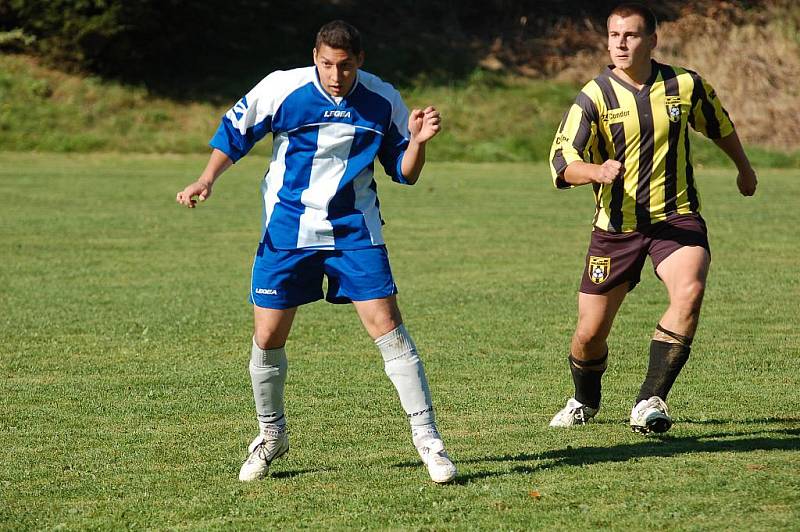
(616, 258)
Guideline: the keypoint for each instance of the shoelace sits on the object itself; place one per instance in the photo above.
(439, 457)
(273, 435)
(580, 414)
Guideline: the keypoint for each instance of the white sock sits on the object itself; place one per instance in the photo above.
(268, 369)
(405, 370)
(424, 433)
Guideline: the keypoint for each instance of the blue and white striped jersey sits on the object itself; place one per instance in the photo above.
(319, 191)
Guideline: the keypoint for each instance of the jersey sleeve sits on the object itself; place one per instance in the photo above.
(575, 138)
(708, 116)
(395, 141)
(248, 121)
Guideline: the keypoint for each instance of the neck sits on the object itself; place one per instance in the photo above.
(636, 75)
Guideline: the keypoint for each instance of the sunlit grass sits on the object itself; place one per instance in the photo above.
(124, 333)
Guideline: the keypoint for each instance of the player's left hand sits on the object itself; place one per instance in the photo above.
(747, 181)
(424, 124)
(197, 191)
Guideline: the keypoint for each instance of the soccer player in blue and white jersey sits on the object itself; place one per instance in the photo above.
(321, 218)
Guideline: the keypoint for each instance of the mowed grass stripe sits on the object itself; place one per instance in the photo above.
(124, 337)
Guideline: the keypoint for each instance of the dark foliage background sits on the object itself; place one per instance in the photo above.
(196, 48)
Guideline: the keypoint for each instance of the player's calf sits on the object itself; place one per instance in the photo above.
(667, 359)
(666, 362)
(587, 376)
(584, 405)
(404, 368)
(268, 368)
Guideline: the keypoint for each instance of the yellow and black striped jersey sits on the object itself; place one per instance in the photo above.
(647, 131)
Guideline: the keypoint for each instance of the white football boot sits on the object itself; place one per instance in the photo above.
(650, 415)
(430, 447)
(575, 413)
(263, 451)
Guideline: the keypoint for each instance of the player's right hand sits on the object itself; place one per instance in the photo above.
(608, 172)
(747, 181)
(198, 189)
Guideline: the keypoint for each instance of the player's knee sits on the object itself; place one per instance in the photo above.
(268, 338)
(690, 297)
(589, 339)
(381, 320)
(384, 323)
(696, 291)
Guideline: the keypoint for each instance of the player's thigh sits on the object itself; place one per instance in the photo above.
(272, 326)
(684, 273)
(364, 277)
(596, 313)
(681, 256)
(379, 316)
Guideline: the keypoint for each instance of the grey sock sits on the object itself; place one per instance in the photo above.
(422, 433)
(405, 370)
(268, 375)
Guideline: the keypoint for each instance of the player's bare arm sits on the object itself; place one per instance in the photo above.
(581, 173)
(423, 126)
(200, 190)
(746, 180)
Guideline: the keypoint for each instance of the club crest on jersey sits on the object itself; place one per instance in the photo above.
(336, 114)
(674, 108)
(599, 268)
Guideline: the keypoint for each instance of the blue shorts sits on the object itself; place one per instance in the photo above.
(288, 278)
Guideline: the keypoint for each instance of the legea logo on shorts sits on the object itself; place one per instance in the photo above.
(267, 291)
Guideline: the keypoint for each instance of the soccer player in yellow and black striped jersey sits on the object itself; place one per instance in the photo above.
(628, 135)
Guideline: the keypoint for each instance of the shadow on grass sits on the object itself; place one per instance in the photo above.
(295, 473)
(782, 439)
(752, 421)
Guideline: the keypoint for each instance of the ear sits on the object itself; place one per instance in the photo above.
(314, 54)
(360, 59)
(654, 41)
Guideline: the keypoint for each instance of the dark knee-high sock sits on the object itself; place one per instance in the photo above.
(586, 375)
(666, 361)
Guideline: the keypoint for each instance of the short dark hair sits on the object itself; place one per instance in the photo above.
(634, 8)
(340, 35)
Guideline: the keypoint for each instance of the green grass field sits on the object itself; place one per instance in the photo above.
(124, 340)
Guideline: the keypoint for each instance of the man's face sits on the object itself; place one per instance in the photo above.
(337, 69)
(628, 42)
